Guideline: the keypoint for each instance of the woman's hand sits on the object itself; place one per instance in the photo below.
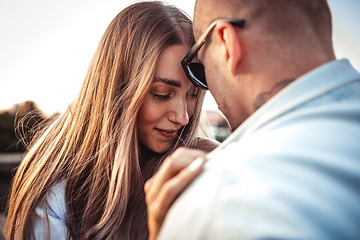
(174, 175)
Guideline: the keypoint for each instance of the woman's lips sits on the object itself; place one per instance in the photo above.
(167, 133)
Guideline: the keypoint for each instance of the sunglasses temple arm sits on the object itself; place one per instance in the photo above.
(192, 53)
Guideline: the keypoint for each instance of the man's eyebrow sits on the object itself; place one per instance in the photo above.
(167, 81)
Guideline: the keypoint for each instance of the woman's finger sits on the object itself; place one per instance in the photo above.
(180, 159)
(173, 187)
(147, 185)
(159, 199)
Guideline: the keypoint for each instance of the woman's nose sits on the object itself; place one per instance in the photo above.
(179, 113)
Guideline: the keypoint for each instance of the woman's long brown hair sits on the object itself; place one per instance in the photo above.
(93, 146)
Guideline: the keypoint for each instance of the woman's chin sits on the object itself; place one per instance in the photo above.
(160, 149)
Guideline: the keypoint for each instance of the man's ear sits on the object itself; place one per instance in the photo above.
(230, 45)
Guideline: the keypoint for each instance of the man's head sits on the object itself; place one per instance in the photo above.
(280, 40)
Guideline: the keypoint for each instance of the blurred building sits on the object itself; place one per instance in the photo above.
(217, 125)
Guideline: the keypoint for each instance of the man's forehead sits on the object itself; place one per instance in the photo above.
(197, 31)
(202, 18)
(198, 22)
(205, 12)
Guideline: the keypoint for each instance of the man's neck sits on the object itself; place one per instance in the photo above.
(262, 98)
(278, 77)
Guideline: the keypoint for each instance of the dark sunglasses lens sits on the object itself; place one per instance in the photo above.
(197, 73)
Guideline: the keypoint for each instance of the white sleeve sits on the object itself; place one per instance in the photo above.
(54, 209)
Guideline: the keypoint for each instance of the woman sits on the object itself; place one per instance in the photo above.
(84, 176)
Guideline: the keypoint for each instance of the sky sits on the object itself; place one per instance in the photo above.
(46, 45)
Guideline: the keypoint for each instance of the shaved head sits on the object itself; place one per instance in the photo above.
(284, 20)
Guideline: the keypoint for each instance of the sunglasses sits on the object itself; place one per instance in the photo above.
(196, 71)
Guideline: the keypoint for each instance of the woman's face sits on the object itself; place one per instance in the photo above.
(169, 104)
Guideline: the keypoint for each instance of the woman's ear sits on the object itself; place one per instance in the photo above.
(230, 45)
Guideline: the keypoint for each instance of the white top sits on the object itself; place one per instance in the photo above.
(290, 171)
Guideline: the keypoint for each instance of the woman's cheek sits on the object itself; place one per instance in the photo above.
(191, 108)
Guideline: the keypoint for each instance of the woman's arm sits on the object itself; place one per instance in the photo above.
(174, 175)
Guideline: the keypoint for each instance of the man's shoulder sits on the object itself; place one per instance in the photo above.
(275, 179)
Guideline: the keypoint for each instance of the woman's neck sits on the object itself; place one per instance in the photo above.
(145, 153)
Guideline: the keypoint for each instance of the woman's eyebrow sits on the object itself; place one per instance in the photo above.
(171, 82)
(194, 89)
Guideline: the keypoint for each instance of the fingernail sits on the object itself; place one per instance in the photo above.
(196, 164)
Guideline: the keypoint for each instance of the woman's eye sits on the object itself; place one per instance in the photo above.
(160, 96)
(192, 95)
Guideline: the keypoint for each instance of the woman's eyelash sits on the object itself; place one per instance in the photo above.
(160, 97)
(193, 95)
(167, 96)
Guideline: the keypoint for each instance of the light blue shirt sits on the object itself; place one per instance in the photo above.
(290, 171)
(53, 209)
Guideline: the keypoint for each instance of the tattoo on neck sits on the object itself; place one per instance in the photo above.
(264, 97)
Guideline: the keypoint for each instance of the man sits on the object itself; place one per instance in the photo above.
(292, 168)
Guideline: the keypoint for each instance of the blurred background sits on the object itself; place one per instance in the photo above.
(46, 47)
